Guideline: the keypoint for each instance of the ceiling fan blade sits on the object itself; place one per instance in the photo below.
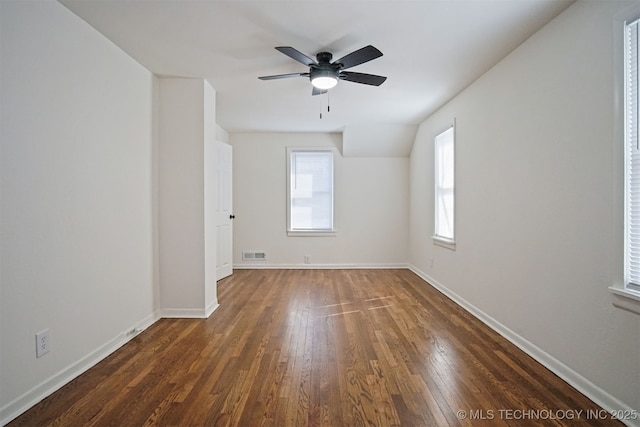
(367, 79)
(284, 76)
(296, 54)
(359, 56)
(317, 91)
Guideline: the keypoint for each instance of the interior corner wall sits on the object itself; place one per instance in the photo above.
(210, 164)
(371, 206)
(536, 234)
(221, 134)
(187, 196)
(76, 198)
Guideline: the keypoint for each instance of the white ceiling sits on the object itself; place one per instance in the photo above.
(432, 50)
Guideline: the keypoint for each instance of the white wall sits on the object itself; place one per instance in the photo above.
(371, 205)
(186, 197)
(221, 134)
(76, 198)
(210, 163)
(372, 140)
(536, 235)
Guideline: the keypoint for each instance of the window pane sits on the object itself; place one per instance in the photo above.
(311, 190)
(444, 185)
(632, 158)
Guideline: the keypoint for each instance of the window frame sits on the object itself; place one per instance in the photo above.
(311, 232)
(440, 240)
(624, 296)
(628, 158)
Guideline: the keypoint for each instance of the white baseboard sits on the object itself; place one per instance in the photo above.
(261, 265)
(15, 408)
(211, 308)
(607, 401)
(183, 313)
(18, 406)
(190, 313)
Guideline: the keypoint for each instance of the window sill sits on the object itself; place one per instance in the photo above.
(311, 233)
(626, 299)
(445, 243)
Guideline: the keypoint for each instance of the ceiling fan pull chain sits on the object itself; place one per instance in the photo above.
(328, 106)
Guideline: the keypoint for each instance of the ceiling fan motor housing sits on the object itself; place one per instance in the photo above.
(324, 57)
(324, 70)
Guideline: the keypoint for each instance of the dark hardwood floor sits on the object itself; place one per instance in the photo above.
(320, 347)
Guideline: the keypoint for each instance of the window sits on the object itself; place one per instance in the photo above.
(444, 229)
(632, 158)
(310, 191)
(626, 281)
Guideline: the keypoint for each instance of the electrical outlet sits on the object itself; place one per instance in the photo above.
(307, 259)
(42, 343)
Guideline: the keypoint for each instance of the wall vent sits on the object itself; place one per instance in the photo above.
(254, 256)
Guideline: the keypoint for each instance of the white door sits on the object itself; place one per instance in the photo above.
(224, 213)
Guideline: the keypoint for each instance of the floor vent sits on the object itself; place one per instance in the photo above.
(254, 256)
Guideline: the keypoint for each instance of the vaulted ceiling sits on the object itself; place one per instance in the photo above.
(432, 50)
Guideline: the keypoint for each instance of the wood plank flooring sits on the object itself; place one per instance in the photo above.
(320, 348)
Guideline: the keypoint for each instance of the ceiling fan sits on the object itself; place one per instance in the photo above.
(325, 74)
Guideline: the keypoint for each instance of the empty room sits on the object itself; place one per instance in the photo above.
(319, 213)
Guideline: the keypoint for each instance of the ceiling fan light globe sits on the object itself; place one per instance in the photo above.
(324, 82)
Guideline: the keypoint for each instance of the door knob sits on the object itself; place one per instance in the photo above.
(232, 216)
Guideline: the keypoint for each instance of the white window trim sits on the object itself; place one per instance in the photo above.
(310, 233)
(623, 296)
(626, 299)
(445, 243)
(441, 240)
(626, 292)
